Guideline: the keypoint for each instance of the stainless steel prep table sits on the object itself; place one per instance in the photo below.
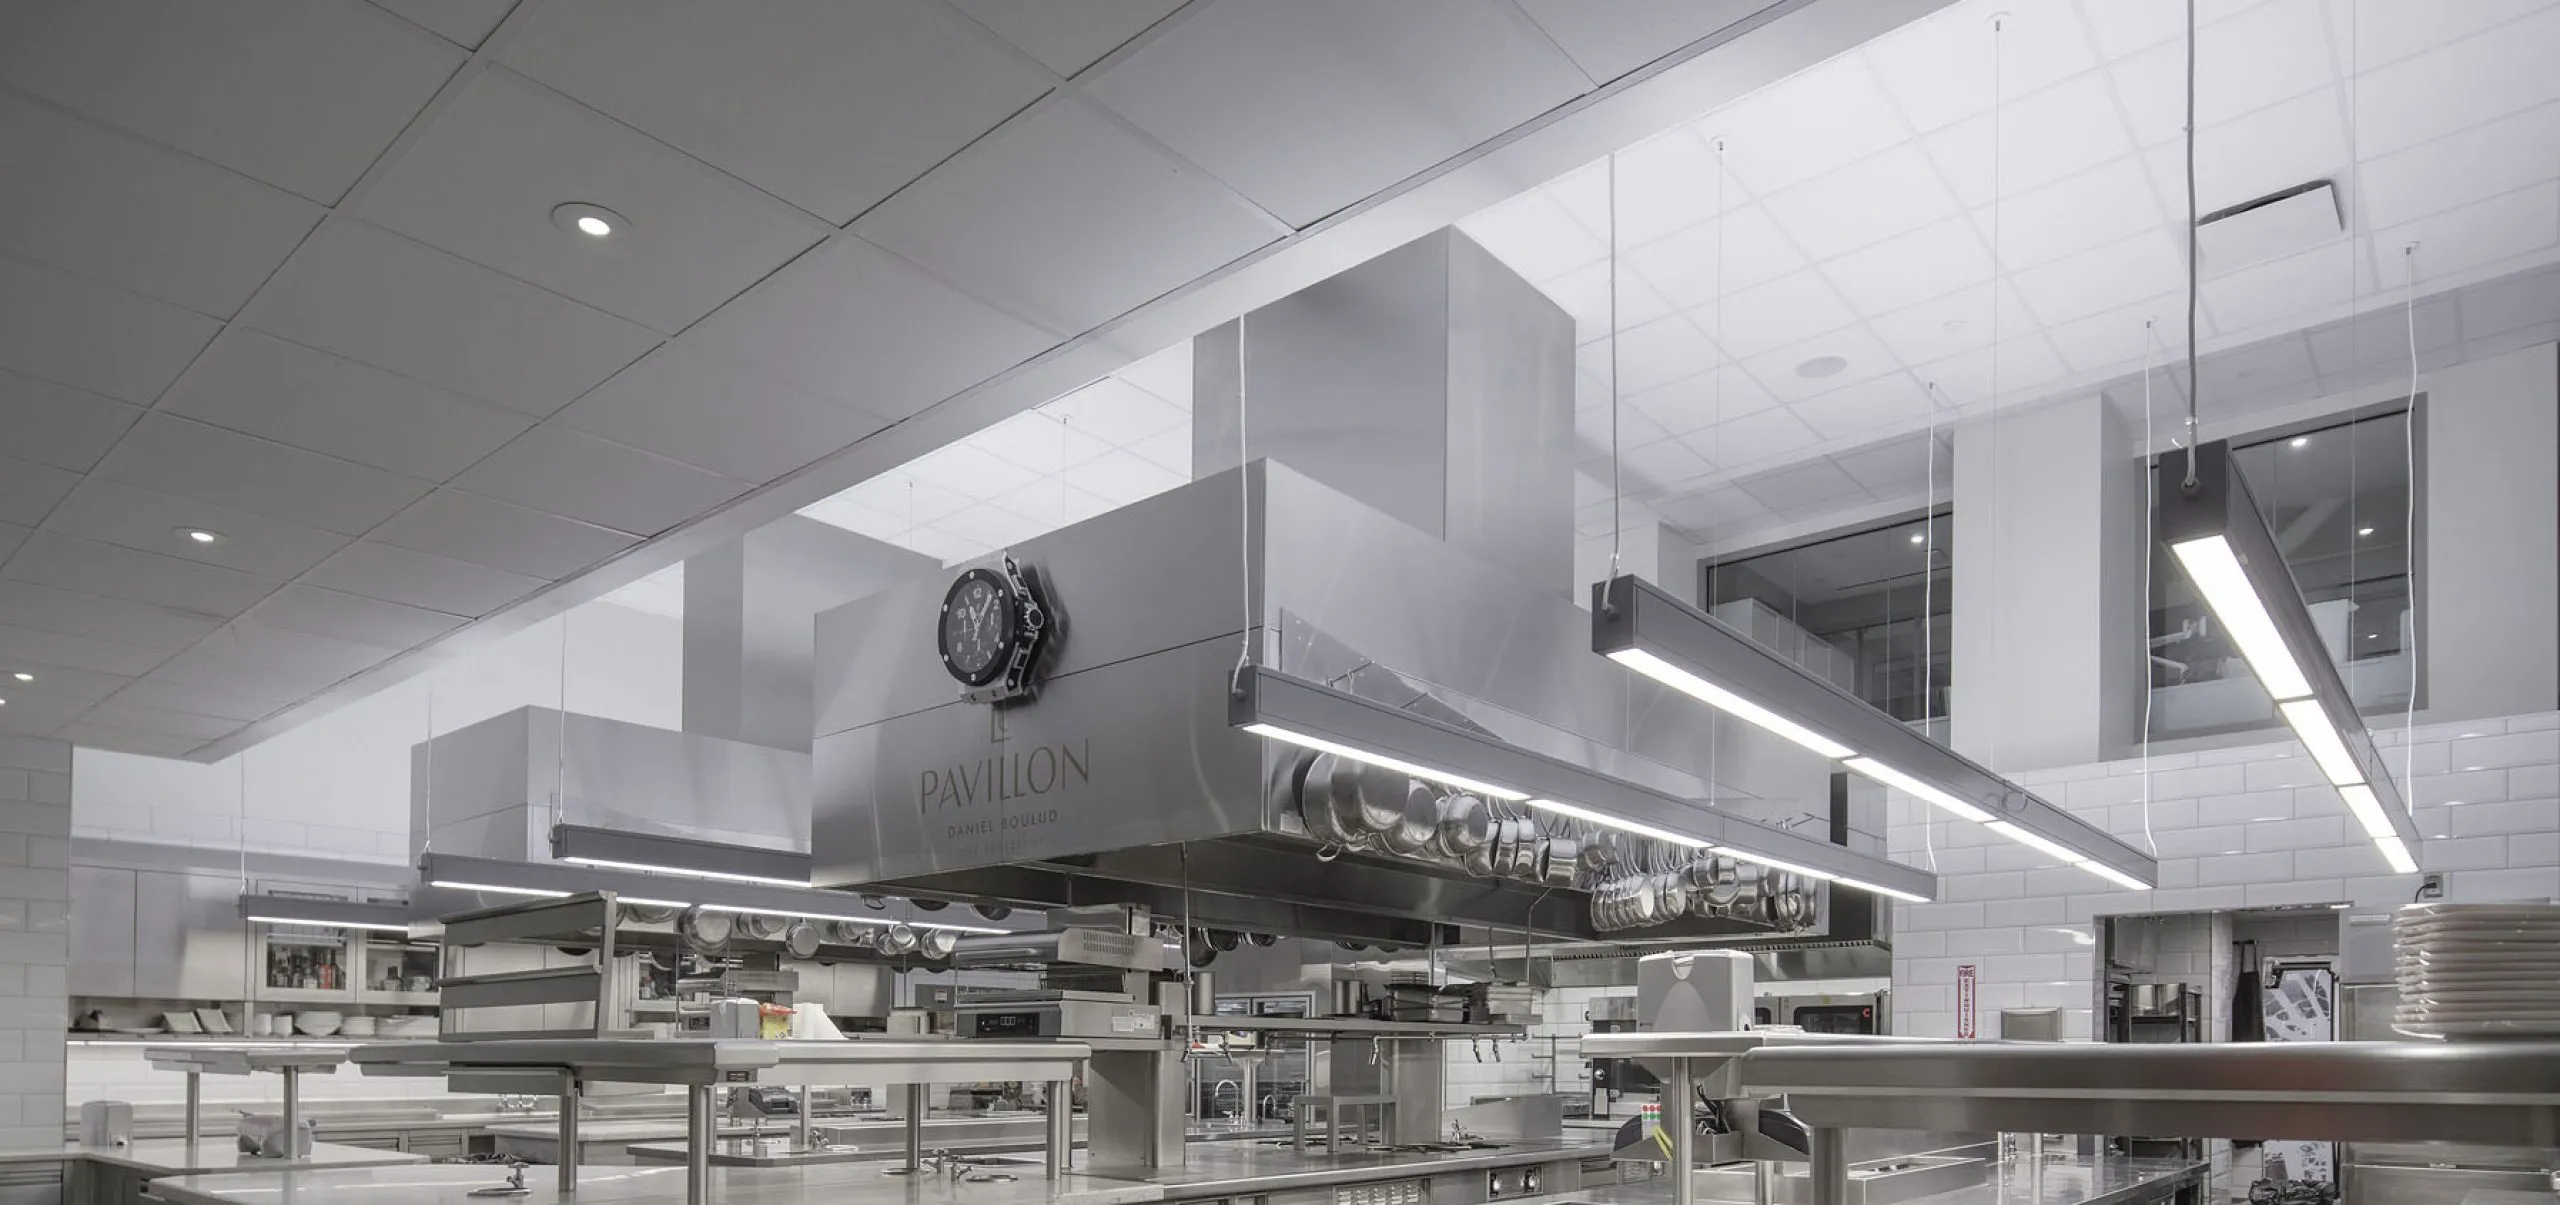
(95, 1175)
(1239, 1169)
(289, 1062)
(2112, 1180)
(451, 1184)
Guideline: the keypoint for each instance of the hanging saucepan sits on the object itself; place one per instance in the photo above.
(849, 933)
(802, 939)
(1672, 889)
(1419, 826)
(648, 914)
(899, 938)
(1344, 793)
(1646, 900)
(706, 932)
(1524, 855)
(1790, 910)
(937, 944)
(1315, 801)
(1563, 861)
(1376, 799)
(761, 926)
(1479, 861)
(1466, 825)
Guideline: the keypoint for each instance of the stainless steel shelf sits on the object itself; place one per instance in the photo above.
(883, 1062)
(1349, 1027)
(241, 1060)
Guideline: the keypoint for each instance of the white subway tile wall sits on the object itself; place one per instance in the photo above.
(2243, 827)
(35, 928)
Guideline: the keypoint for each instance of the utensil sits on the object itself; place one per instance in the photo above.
(261, 1025)
(707, 932)
(899, 938)
(801, 938)
(1672, 891)
(760, 926)
(1315, 801)
(1466, 825)
(1414, 831)
(1343, 792)
(1562, 861)
(847, 933)
(937, 944)
(1377, 798)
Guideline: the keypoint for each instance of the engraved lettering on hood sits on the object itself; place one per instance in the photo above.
(1006, 775)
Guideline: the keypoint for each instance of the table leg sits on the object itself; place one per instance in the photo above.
(292, 1110)
(1760, 1182)
(1830, 1154)
(569, 1151)
(1061, 1133)
(195, 1107)
(800, 1132)
(700, 1133)
(915, 1128)
(1682, 1097)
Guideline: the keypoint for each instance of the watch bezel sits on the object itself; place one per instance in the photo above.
(1009, 615)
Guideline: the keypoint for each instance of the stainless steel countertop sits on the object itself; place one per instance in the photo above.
(450, 1184)
(1220, 1169)
(175, 1157)
(2114, 1180)
(696, 1061)
(243, 1060)
(646, 1129)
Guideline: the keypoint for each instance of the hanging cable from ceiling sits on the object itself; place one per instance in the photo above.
(1617, 476)
(2195, 385)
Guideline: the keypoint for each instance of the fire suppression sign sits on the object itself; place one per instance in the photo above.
(1964, 1001)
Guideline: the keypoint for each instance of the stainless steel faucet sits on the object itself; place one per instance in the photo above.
(1222, 1085)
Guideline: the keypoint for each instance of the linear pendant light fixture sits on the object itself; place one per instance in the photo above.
(687, 857)
(2214, 528)
(1268, 703)
(1646, 629)
(263, 908)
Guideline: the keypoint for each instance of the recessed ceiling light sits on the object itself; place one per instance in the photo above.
(2364, 531)
(1821, 366)
(23, 676)
(589, 221)
(1919, 537)
(199, 535)
(2302, 441)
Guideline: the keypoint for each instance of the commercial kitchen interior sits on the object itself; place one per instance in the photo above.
(1280, 602)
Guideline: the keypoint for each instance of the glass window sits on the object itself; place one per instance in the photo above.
(2337, 499)
(1865, 608)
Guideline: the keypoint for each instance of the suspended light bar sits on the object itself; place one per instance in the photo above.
(2216, 531)
(1273, 704)
(558, 880)
(858, 920)
(374, 916)
(687, 857)
(1639, 625)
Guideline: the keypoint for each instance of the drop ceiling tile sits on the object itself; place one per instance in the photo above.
(88, 567)
(2515, 302)
(942, 546)
(2487, 232)
(1610, 40)
(2283, 291)
(77, 332)
(2276, 364)
(1067, 218)
(60, 682)
(864, 327)
(2292, 143)
(1166, 374)
(1067, 38)
(1830, 116)
(1798, 487)
(2489, 75)
(990, 525)
(596, 481)
(60, 426)
(1309, 107)
(1660, 352)
(465, 23)
(1838, 211)
(1534, 236)
(1040, 441)
(1932, 262)
(199, 700)
(1625, 426)
(310, 609)
(1754, 438)
(2375, 32)
(966, 469)
(1777, 370)
(1053, 504)
(1867, 407)
(2074, 214)
(1664, 462)
(1700, 512)
(2024, 365)
(2061, 131)
(1683, 265)
(1664, 185)
(390, 573)
(2106, 278)
(1117, 413)
(1787, 310)
(1943, 326)
(302, 94)
(1941, 68)
(149, 521)
(36, 608)
(1170, 450)
(485, 531)
(1697, 402)
(119, 740)
(482, 182)
(29, 712)
(77, 652)
(259, 385)
(2121, 29)
(11, 535)
(29, 491)
(2471, 165)
(1900, 466)
(2275, 51)
(2115, 339)
(187, 458)
(136, 718)
(686, 404)
(842, 510)
(1121, 478)
(897, 502)
(369, 295)
(1585, 294)
(261, 660)
(2341, 348)
(132, 215)
(829, 106)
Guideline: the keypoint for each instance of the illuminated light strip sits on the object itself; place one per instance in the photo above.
(1605, 820)
(329, 924)
(1777, 864)
(2216, 571)
(2115, 876)
(2310, 721)
(859, 920)
(547, 894)
(1895, 892)
(1382, 761)
(2367, 808)
(1895, 778)
(687, 872)
(1728, 702)
(2396, 852)
(2038, 841)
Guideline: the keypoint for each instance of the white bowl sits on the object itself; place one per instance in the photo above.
(318, 1024)
(359, 1027)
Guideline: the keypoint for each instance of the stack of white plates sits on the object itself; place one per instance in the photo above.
(2478, 970)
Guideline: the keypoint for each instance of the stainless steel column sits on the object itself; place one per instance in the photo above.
(1830, 1156)
(800, 1132)
(915, 1128)
(700, 1133)
(292, 1108)
(568, 1133)
(1055, 1150)
(1682, 1096)
(195, 1105)
(1760, 1181)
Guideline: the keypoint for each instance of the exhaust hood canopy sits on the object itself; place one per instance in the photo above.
(1639, 625)
(2220, 537)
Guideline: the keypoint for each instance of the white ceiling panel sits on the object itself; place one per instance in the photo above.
(1941, 68)
(1827, 117)
(1866, 358)
(2376, 32)
(228, 469)
(2489, 75)
(262, 660)
(829, 106)
(1053, 504)
(2275, 148)
(2509, 304)
(1533, 235)
(57, 425)
(59, 682)
(1067, 218)
(148, 744)
(2121, 28)
(2472, 165)
(483, 180)
(199, 700)
(1841, 210)
(1683, 265)
(2278, 291)
(1926, 263)
(12, 535)
(310, 609)
(965, 468)
(2018, 365)
(1171, 450)
(263, 386)
(1799, 487)
(1701, 401)
(364, 293)
(2116, 337)
(1941, 327)
(302, 94)
(1753, 438)
(465, 23)
(686, 404)
(992, 526)
(2272, 52)
(2501, 228)
(1610, 40)
(1886, 401)
(864, 327)
(1587, 294)
(150, 521)
(2065, 129)
(2091, 282)
(30, 491)
(597, 481)
(136, 625)
(1626, 425)
(2075, 214)
(390, 573)
(1665, 183)
(1166, 374)
(1787, 310)
(489, 532)
(1308, 107)
(122, 211)
(1040, 441)
(81, 333)
(1115, 412)
(2382, 338)
(1702, 511)
(1121, 478)
(160, 721)
(88, 567)
(1658, 353)
(30, 712)
(1067, 38)
(33, 647)
(1899, 466)
(890, 504)
(1662, 463)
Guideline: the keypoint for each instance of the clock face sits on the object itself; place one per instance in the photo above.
(977, 627)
